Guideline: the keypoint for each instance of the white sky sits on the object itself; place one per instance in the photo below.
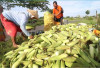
(73, 7)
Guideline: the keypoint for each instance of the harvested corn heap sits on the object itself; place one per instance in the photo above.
(62, 46)
(48, 21)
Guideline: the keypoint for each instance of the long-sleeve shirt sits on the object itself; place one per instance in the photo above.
(19, 18)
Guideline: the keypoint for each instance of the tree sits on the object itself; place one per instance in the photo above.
(78, 16)
(87, 12)
(39, 4)
(68, 17)
(50, 10)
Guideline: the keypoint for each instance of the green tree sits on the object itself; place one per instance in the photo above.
(68, 17)
(39, 4)
(50, 10)
(87, 12)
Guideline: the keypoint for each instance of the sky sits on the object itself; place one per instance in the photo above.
(72, 8)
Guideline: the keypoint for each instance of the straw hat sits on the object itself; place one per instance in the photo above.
(33, 12)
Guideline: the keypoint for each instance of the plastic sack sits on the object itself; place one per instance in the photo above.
(48, 21)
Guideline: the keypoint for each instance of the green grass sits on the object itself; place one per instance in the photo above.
(71, 19)
(88, 22)
(5, 47)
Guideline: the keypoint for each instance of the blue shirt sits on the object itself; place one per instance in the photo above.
(19, 18)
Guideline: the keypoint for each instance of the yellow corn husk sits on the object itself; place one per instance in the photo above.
(77, 65)
(62, 64)
(24, 43)
(15, 65)
(35, 66)
(31, 64)
(69, 64)
(38, 40)
(62, 47)
(69, 59)
(50, 49)
(46, 40)
(41, 56)
(24, 62)
(31, 54)
(26, 65)
(39, 62)
(92, 51)
(9, 53)
(84, 56)
(54, 64)
(3, 66)
(73, 42)
(51, 40)
(58, 57)
(80, 60)
(74, 51)
(29, 27)
(57, 64)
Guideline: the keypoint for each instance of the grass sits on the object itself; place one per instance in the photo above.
(71, 19)
(5, 47)
(88, 22)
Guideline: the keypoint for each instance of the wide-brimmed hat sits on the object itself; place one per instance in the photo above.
(33, 12)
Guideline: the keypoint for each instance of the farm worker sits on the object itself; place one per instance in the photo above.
(58, 13)
(14, 22)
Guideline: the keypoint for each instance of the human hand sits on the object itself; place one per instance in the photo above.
(55, 15)
(31, 37)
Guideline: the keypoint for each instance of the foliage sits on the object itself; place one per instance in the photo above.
(35, 23)
(50, 10)
(99, 15)
(78, 16)
(39, 4)
(90, 18)
(98, 22)
(87, 12)
(68, 17)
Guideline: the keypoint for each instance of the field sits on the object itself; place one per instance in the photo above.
(89, 22)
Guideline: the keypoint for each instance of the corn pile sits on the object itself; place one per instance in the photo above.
(48, 20)
(62, 46)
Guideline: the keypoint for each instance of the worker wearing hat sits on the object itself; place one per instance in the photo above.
(14, 22)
